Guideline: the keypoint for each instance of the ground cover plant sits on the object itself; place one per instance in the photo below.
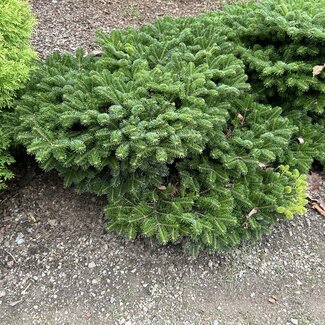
(175, 124)
(16, 23)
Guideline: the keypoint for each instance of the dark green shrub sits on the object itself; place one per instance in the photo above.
(280, 42)
(163, 123)
(16, 54)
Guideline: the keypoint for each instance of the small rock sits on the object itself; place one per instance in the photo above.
(241, 274)
(96, 53)
(272, 300)
(294, 321)
(202, 276)
(2, 293)
(128, 322)
(91, 265)
(10, 264)
(87, 313)
(53, 222)
(20, 238)
(215, 322)
(94, 281)
(31, 216)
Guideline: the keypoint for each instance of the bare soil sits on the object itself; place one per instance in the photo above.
(59, 266)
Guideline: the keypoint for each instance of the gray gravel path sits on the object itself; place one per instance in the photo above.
(57, 266)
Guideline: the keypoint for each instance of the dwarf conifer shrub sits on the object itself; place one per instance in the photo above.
(16, 54)
(282, 44)
(163, 123)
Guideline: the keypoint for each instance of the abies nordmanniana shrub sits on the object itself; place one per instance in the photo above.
(280, 42)
(164, 124)
(16, 54)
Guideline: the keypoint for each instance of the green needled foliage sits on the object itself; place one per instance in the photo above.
(16, 54)
(280, 42)
(165, 125)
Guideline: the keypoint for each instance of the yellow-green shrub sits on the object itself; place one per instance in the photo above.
(16, 54)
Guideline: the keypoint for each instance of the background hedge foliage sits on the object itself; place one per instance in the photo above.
(280, 43)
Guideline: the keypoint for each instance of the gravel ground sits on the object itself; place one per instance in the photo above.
(68, 24)
(58, 266)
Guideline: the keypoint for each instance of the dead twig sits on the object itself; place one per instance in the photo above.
(24, 291)
(13, 257)
(318, 206)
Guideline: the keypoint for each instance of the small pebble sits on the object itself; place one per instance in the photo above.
(20, 239)
(91, 265)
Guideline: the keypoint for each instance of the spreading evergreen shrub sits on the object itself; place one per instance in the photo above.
(164, 124)
(16, 54)
(280, 43)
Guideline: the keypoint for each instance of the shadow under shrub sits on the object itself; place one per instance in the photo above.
(16, 23)
(165, 125)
